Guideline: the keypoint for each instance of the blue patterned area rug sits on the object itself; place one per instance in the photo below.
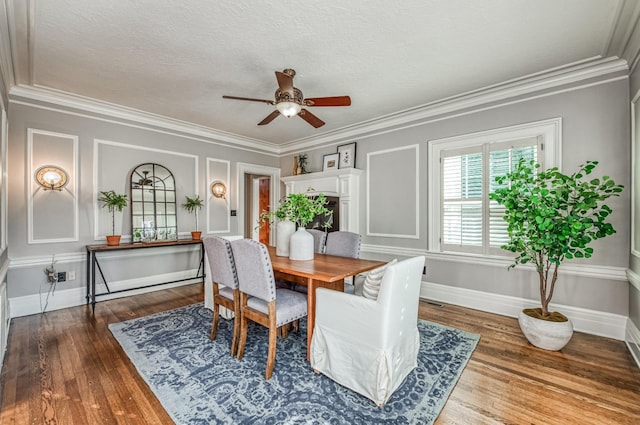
(198, 382)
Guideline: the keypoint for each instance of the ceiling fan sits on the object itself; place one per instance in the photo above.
(289, 101)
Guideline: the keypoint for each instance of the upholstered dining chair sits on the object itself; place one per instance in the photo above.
(260, 301)
(343, 244)
(367, 345)
(225, 284)
(319, 239)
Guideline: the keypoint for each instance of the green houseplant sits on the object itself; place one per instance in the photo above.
(193, 205)
(113, 202)
(297, 209)
(552, 217)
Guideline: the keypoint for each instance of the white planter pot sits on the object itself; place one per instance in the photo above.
(551, 336)
(301, 245)
(284, 230)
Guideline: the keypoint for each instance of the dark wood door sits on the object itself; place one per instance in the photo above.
(263, 205)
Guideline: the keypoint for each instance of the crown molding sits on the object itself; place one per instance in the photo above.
(523, 86)
(67, 103)
(527, 85)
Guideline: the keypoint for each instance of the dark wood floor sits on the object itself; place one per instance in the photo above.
(65, 367)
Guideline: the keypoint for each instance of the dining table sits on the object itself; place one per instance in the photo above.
(323, 271)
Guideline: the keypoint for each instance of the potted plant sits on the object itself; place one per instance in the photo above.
(192, 205)
(113, 201)
(552, 217)
(298, 209)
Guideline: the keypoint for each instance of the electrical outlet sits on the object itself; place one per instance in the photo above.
(71, 275)
(234, 213)
(62, 276)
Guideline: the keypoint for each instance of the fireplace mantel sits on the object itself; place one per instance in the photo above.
(344, 183)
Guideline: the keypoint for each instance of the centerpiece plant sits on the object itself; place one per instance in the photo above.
(297, 209)
(552, 217)
(113, 202)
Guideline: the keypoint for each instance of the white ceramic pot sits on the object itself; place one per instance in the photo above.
(551, 336)
(301, 245)
(284, 230)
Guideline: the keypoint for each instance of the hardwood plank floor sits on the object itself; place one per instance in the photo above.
(65, 367)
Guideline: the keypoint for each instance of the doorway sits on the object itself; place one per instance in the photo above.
(258, 190)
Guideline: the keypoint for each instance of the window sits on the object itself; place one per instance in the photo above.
(462, 174)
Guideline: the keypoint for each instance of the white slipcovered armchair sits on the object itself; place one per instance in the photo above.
(367, 345)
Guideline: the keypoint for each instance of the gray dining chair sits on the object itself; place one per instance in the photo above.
(260, 300)
(343, 244)
(224, 278)
(319, 239)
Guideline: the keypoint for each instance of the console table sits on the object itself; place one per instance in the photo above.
(93, 264)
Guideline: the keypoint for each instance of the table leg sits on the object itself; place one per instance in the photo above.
(311, 312)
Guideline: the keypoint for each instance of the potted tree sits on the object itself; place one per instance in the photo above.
(192, 205)
(113, 201)
(552, 217)
(299, 209)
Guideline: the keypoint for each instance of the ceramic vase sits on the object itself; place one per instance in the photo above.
(551, 336)
(301, 245)
(284, 230)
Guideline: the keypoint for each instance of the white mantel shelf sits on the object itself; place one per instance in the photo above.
(344, 183)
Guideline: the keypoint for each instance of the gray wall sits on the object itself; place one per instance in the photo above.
(107, 151)
(595, 126)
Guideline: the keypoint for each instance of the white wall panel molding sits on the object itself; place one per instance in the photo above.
(634, 278)
(49, 211)
(99, 213)
(583, 270)
(632, 338)
(67, 103)
(382, 195)
(590, 321)
(4, 140)
(523, 89)
(30, 304)
(218, 210)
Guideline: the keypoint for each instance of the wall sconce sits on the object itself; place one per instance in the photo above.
(219, 190)
(51, 177)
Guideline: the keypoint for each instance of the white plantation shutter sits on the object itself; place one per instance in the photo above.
(470, 221)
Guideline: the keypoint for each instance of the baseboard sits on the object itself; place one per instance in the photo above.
(30, 304)
(589, 321)
(633, 340)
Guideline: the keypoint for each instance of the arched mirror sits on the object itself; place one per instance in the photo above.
(153, 204)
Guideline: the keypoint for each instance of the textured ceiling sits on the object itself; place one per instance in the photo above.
(177, 59)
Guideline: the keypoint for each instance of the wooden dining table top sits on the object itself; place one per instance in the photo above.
(325, 268)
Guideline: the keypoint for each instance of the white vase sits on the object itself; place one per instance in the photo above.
(284, 230)
(301, 245)
(551, 336)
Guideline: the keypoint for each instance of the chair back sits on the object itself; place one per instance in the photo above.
(255, 273)
(399, 297)
(319, 238)
(343, 244)
(221, 262)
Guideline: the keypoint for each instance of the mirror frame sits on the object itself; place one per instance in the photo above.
(153, 203)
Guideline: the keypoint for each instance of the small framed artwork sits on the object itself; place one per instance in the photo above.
(330, 161)
(347, 155)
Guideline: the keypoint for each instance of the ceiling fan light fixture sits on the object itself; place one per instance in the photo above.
(288, 109)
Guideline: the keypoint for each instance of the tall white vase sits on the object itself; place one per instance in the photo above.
(284, 230)
(301, 245)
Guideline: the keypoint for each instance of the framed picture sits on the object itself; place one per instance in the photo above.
(347, 155)
(330, 161)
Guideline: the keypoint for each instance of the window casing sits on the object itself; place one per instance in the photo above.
(462, 174)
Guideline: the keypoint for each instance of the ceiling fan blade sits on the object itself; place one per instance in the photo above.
(285, 82)
(310, 118)
(328, 101)
(272, 116)
(270, 102)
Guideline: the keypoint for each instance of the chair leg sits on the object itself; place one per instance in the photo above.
(214, 322)
(271, 357)
(236, 334)
(296, 325)
(284, 330)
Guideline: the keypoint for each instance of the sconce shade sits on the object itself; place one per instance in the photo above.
(51, 177)
(219, 190)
